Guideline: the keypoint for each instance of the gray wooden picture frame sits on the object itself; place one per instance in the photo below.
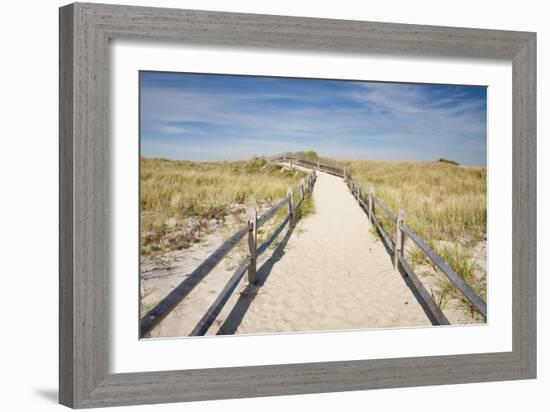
(85, 31)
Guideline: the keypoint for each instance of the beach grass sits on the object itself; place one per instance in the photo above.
(181, 200)
(442, 201)
(445, 203)
(463, 263)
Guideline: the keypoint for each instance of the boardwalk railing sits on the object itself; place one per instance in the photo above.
(248, 265)
(369, 202)
(323, 166)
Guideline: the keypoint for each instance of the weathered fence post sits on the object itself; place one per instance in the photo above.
(318, 165)
(399, 238)
(290, 164)
(290, 195)
(371, 204)
(252, 241)
(403, 235)
(302, 189)
(359, 191)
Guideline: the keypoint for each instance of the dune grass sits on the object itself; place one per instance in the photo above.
(180, 200)
(445, 203)
(307, 207)
(442, 201)
(463, 263)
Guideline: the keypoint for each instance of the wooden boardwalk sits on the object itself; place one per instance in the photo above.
(330, 273)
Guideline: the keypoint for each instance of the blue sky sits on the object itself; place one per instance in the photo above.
(218, 117)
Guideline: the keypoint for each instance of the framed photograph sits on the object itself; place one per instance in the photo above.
(256, 205)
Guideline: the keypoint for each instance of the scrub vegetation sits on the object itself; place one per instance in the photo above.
(446, 204)
(182, 200)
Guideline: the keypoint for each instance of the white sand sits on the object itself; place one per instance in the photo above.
(330, 274)
(159, 280)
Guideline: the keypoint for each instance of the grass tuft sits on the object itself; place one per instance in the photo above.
(307, 207)
(462, 262)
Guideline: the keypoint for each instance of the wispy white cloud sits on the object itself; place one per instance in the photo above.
(169, 129)
(373, 120)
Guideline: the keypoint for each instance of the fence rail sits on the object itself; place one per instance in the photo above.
(385, 209)
(166, 305)
(466, 290)
(397, 248)
(308, 163)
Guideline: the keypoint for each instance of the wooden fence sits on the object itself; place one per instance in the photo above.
(248, 265)
(369, 202)
(333, 169)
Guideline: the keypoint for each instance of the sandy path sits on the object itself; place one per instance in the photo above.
(332, 273)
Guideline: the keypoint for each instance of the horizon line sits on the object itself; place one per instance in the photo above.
(438, 160)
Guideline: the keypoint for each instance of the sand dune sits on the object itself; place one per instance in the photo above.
(327, 273)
